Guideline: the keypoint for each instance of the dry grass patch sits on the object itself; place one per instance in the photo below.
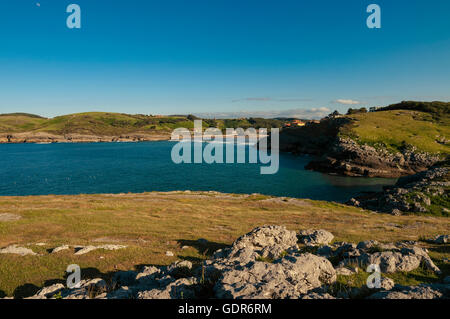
(149, 224)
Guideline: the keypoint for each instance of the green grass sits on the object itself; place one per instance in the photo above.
(396, 129)
(108, 124)
(152, 223)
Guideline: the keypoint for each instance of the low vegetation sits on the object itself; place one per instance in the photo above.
(101, 123)
(150, 224)
(396, 130)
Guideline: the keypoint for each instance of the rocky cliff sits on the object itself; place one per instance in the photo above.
(364, 145)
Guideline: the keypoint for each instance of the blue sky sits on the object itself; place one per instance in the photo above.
(230, 57)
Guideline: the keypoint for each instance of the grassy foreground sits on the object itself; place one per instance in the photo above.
(150, 224)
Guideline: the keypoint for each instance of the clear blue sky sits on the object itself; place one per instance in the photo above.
(167, 57)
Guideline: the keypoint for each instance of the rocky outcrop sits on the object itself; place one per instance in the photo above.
(336, 154)
(404, 259)
(347, 157)
(411, 194)
(287, 277)
(313, 237)
(433, 291)
(268, 262)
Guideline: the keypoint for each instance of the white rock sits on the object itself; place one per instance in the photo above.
(14, 249)
(60, 248)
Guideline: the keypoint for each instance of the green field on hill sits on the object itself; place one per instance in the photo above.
(399, 128)
(102, 123)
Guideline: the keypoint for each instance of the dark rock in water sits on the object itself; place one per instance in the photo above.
(416, 193)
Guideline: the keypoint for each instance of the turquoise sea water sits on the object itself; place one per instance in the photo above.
(36, 169)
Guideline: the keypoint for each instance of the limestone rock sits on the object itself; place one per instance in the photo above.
(288, 277)
(60, 248)
(14, 249)
(183, 288)
(315, 237)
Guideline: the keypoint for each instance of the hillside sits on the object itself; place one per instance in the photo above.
(101, 126)
(389, 142)
(396, 129)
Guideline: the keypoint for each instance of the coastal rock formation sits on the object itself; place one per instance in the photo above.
(267, 263)
(416, 193)
(347, 157)
(359, 144)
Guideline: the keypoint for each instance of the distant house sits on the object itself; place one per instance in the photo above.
(298, 123)
(294, 123)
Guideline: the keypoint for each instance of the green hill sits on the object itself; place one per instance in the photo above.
(396, 129)
(102, 123)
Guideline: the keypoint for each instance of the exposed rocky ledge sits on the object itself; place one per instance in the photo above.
(346, 157)
(42, 137)
(411, 194)
(270, 262)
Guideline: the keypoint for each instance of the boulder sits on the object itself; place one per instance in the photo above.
(60, 248)
(407, 259)
(183, 288)
(346, 271)
(288, 277)
(387, 283)
(48, 292)
(148, 274)
(267, 241)
(316, 237)
(413, 292)
(14, 249)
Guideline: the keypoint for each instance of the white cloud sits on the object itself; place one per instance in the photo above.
(313, 113)
(346, 102)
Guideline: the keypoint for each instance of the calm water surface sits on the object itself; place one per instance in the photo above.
(33, 169)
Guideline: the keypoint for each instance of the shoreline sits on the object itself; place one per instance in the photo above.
(47, 138)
